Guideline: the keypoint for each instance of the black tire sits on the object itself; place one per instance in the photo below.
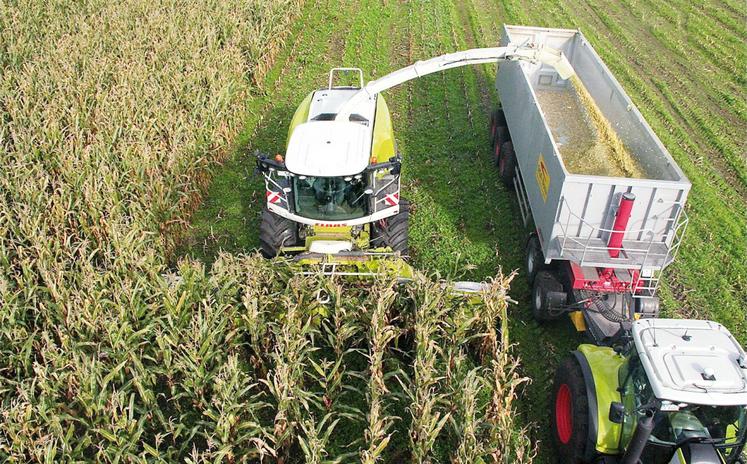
(570, 412)
(535, 259)
(276, 232)
(501, 136)
(393, 232)
(542, 309)
(507, 164)
(497, 119)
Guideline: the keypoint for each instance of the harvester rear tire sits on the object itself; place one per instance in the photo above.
(497, 119)
(544, 283)
(507, 165)
(276, 232)
(570, 412)
(393, 232)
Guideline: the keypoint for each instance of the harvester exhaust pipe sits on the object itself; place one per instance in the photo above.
(639, 440)
(621, 223)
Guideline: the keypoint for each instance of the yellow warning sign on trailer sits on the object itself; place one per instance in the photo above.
(543, 177)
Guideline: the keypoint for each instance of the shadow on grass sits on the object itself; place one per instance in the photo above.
(228, 218)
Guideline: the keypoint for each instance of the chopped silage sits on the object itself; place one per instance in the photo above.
(587, 141)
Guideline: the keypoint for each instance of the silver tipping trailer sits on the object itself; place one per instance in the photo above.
(584, 256)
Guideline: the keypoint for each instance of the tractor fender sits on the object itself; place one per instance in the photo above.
(591, 396)
(600, 366)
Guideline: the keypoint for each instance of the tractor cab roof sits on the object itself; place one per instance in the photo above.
(328, 148)
(692, 361)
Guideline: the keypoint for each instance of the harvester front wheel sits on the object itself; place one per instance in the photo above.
(276, 232)
(570, 414)
(393, 231)
(547, 293)
(507, 164)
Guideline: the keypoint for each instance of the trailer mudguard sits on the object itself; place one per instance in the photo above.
(601, 365)
(300, 116)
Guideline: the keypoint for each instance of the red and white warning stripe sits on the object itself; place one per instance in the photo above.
(392, 199)
(273, 197)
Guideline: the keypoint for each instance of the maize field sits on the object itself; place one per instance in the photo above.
(134, 326)
(112, 116)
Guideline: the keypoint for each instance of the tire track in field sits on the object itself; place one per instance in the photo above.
(464, 13)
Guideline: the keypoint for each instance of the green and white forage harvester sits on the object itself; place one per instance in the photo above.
(333, 199)
(645, 390)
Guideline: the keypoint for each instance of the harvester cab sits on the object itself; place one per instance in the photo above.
(676, 394)
(335, 195)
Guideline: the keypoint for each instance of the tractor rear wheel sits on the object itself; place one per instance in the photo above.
(276, 232)
(507, 164)
(545, 295)
(570, 413)
(393, 231)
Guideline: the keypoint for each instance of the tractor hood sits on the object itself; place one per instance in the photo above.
(329, 149)
(691, 361)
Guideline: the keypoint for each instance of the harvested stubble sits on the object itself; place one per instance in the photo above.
(587, 141)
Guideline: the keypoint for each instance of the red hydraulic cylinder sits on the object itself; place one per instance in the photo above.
(621, 223)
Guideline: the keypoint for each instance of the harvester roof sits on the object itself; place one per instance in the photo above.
(328, 148)
(692, 361)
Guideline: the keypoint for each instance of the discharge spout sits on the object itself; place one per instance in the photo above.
(621, 224)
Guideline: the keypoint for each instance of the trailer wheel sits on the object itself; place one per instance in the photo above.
(547, 294)
(570, 414)
(497, 119)
(393, 231)
(535, 259)
(507, 164)
(276, 232)
(501, 137)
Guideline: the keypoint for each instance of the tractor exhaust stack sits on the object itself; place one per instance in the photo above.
(640, 438)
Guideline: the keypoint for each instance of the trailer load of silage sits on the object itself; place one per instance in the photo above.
(250, 362)
(587, 141)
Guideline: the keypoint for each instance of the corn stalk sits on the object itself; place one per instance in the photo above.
(381, 334)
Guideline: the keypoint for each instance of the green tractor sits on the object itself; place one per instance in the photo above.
(676, 392)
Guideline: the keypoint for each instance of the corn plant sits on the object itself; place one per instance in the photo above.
(425, 395)
(507, 442)
(381, 334)
(315, 437)
(466, 420)
(286, 381)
